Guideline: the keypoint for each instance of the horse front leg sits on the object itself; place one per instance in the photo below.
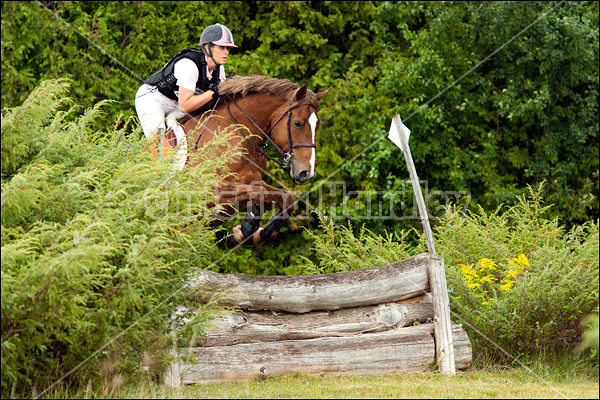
(249, 233)
(255, 199)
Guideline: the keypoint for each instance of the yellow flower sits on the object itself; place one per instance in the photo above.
(465, 269)
(473, 286)
(522, 261)
(513, 273)
(488, 264)
(506, 287)
(468, 272)
(488, 278)
(478, 319)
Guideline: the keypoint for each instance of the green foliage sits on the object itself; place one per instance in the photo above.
(504, 125)
(590, 335)
(97, 240)
(338, 249)
(518, 281)
(493, 106)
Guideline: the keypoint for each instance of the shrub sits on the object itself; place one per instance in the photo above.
(517, 280)
(590, 335)
(96, 241)
(337, 249)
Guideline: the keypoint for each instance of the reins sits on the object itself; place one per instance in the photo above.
(286, 156)
(206, 123)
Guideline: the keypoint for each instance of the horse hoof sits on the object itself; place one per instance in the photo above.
(231, 242)
(235, 237)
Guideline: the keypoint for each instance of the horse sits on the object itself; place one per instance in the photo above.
(273, 111)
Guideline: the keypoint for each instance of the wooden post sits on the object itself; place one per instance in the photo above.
(436, 272)
(416, 186)
(172, 376)
(444, 343)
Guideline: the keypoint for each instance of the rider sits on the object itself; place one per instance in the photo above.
(189, 81)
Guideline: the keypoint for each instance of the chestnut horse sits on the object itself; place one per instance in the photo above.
(276, 112)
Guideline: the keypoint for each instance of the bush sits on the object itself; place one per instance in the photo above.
(518, 281)
(96, 241)
(337, 249)
(590, 335)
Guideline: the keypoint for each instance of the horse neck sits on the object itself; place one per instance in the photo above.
(261, 108)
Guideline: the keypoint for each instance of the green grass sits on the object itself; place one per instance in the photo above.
(499, 384)
(518, 384)
(549, 378)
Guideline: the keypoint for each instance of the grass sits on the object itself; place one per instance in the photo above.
(501, 384)
(543, 378)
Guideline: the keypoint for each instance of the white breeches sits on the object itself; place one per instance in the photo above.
(157, 112)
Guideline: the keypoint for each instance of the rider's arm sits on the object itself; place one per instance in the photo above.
(188, 101)
(187, 75)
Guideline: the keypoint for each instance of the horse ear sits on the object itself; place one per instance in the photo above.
(300, 93)
(320, 95)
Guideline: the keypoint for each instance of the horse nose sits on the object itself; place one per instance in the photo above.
(303, 176)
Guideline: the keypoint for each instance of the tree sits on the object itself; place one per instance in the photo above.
(498, 95)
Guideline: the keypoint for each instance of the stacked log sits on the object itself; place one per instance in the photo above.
(368, 322)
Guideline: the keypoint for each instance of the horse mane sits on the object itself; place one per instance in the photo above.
(244, 85)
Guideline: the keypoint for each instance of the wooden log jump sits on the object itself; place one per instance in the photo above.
(270, 326)
(302, 293)
(378, 320)
(409, 349)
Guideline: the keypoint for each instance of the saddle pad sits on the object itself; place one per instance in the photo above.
(170, 144)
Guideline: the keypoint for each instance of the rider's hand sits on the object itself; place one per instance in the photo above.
(215, 88)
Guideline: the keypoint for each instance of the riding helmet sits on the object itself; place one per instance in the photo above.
(217, 34)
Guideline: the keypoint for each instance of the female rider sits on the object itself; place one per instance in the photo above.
(189, 81)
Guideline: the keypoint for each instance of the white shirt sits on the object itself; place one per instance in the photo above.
(187, 74)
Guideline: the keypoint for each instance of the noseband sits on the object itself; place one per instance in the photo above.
(288, 153)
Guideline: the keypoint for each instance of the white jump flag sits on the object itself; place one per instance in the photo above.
(400, 139)
(395, 136)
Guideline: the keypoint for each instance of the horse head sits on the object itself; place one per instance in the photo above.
(294, 129)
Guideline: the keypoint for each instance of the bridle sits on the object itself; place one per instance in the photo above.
(286, 154)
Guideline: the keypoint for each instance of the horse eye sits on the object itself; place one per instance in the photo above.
(298, 124)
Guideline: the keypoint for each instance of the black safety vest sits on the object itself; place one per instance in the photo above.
(165, 80)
